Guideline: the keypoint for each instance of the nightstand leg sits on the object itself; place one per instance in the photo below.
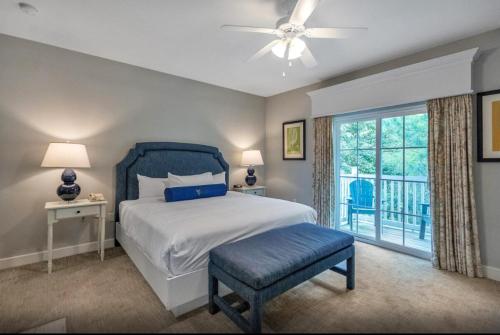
(103, 230)
(49, 248)
(51, 219)
(98, 219)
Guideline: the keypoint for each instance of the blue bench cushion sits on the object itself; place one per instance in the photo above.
(263, 259)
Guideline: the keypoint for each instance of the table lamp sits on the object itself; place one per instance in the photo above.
(67, 156)
(251, 158)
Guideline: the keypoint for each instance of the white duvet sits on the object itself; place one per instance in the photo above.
(177, 236)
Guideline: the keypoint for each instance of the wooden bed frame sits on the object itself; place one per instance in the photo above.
(179, 294)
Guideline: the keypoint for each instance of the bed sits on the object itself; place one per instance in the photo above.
(169, 242)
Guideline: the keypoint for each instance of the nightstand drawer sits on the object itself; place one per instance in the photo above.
(63, 213)
(260, 192)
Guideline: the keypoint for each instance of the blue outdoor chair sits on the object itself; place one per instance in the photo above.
(361, 200)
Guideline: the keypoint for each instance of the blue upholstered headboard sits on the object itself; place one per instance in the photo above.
(157, 159)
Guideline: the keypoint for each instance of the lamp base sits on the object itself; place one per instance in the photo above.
(69, 190)
(250, 179)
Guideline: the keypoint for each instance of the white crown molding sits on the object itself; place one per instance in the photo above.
(438, 77)
(40, 256)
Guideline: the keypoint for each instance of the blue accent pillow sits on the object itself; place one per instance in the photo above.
(194, 192)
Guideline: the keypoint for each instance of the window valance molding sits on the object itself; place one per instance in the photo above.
(438, 77)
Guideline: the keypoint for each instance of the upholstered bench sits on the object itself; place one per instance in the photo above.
(263, 266)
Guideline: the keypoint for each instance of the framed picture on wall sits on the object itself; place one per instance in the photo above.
(488, 126)
(294, 140)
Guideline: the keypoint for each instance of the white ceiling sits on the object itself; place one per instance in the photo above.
(182, 37)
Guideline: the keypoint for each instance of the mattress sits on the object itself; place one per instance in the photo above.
(177, 236)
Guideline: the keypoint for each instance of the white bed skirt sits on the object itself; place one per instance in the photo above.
(180, 294)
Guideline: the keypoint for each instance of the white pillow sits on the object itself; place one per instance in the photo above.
(192, 180)
(220, 178)
(151, 187)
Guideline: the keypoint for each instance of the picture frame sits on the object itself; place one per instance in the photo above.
(488, 126)
(294, 140)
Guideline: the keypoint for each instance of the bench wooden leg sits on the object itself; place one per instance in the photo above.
(256, 314)
(213, 290)
(350, 277)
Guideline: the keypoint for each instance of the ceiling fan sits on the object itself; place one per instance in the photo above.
(289, 31)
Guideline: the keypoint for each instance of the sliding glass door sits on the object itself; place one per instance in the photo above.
(381, 178)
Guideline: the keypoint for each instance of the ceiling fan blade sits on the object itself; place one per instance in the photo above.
(334, 32)
(307, 58)
(303, 9)
(247, 29)
(263, 51)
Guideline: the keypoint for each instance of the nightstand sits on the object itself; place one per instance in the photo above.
(255, 190)
(59, 210)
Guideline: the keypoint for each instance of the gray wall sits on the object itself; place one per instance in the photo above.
(293, 179)
(51, 94)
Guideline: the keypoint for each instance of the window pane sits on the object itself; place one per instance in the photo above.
(366, 160)
(416, 164)
(417, 232)
(361, 207)
(392, 163)
(344, 192)
(366, 223)
(391, 195)
(392, 132)
(348, 163)
(347, 222)
(362, 193)
(391, 229)
(348, 135)
(416, 198)
(416, 130)
(367, 134)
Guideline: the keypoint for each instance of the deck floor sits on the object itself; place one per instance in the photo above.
(390, 234)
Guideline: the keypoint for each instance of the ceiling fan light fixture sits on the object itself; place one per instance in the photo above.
(279, 49)
(289, 29)
(296, 48)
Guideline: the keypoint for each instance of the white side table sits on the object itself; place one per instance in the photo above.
(255, 190)
(59, 210)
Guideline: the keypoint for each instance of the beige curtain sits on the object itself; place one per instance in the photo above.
(455, 236)
(323, 170)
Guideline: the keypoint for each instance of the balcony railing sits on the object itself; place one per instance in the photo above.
(410, 196)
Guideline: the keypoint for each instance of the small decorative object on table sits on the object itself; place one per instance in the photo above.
(251, 158)
(488, 126)
(294, 140)
(67, 156)
(96, 197)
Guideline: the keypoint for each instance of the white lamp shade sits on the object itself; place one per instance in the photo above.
(251, 157)
(66, 155)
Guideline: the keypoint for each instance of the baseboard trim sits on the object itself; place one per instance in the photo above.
(491, 272)
(40, 256)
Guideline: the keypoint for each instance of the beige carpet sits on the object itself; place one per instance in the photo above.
(394, 293)
(53, 327)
